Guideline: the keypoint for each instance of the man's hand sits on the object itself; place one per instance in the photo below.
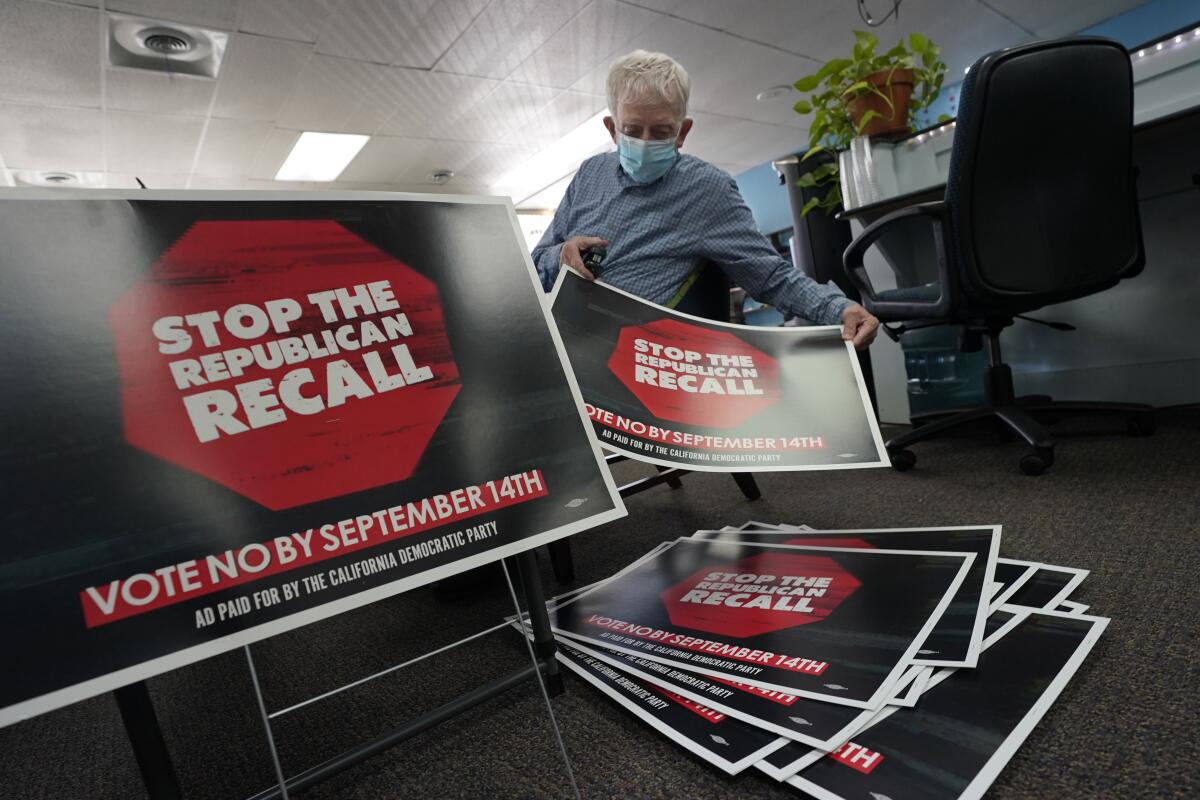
(572, 253)
(859, 326)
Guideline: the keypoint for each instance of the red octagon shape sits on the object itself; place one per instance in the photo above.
(367, 441)
(728, 402)
(744, 623)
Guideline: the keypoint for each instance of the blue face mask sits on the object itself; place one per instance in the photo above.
(645, 161)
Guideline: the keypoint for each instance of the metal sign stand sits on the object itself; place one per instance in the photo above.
(158, 774)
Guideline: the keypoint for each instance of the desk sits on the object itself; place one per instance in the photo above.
(1136, 342)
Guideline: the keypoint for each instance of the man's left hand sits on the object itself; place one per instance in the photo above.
(859, 326)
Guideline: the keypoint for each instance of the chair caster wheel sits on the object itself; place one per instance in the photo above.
(1141, 425)
(1037, 463)
(902, 460)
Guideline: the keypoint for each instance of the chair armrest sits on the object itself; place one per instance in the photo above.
(897, 310)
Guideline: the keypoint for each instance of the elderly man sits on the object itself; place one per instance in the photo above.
(661, 214)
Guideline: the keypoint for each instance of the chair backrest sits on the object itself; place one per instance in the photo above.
(708, 296)
(1041, 193)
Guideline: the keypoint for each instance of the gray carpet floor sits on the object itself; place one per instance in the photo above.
(1126, 727)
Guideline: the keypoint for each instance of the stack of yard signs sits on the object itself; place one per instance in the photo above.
(886, 663)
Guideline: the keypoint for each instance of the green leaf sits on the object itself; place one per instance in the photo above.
(886, 99)
(919, 43)
(812, 151)
(834, 67)
(802, 107)
(833, 197)
(866, 39)
(820, 175)
(860, 86)
(866, 119)
(944, 118)
(808, 83)
(809, 206)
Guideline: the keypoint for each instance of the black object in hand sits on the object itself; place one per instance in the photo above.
(593, 258)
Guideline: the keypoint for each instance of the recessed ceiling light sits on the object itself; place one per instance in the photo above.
(320, 156)
(774, 93)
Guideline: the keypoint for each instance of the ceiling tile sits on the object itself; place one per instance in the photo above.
(409, 33)
(391, 159)
(587, 40)
(510, 105)
(549, 197)
(719, 14)
(49, 54)
(36, 137)
(1047, 20)
(505, 34)
(257, 76)
(556, 119)
(720, 139)
(683, 41)
(149, 143)
(229, 147)
(156, 93)
(964, 31)
(734, 169)
(495, 161)
(662, 6)
(733, 92)
(326, 92)
(272, 153)
(820, 29)
(416, 100)
(209, 13)
(299, 20)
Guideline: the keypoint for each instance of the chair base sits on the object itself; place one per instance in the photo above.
(1019, 417)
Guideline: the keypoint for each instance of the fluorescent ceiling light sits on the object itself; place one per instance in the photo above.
(554, 162)
(320, 156)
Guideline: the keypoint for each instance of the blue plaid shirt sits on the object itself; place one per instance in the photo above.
(659, 232)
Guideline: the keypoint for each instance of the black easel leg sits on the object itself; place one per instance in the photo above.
(674, 483)
(562, 561)
(747, 484)
(149, 749)
(543, 639)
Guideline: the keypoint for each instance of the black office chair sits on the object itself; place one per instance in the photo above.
(1040, 208)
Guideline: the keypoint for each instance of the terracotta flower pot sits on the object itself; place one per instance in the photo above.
(890, 120)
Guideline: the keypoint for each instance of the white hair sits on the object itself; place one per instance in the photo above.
(642, 77)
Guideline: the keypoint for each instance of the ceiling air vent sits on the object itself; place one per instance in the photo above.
(57, 178)
(138, 43)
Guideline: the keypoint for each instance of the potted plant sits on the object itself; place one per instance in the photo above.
(865, 95)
